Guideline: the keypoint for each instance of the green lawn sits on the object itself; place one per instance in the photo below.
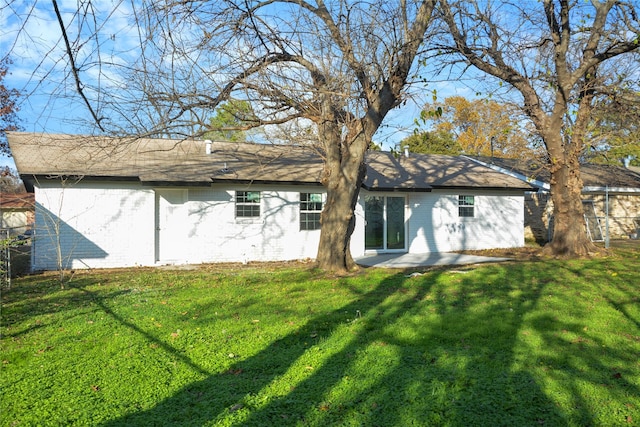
(553, 343)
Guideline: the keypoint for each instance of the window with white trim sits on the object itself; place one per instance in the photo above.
(466, 206)
(247, 204)
(310, 210)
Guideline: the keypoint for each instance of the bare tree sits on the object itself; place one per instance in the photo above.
(550, 53)
(338, 66)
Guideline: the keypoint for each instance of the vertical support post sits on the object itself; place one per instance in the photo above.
(606, 221)
(8, 260)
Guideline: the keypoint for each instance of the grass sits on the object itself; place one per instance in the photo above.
(548, 342)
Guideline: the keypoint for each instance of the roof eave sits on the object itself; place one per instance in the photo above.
(262, 182)
(398, 189)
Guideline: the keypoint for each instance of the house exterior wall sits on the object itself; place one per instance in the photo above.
(102, 225)
(92, 225)
(120, 224)
(214, 234)
(624, 214)
(433, 224)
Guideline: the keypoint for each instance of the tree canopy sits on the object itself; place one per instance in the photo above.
(614, 130)
(8, 108)
(480, 127)
(231, 121)
(432, 142)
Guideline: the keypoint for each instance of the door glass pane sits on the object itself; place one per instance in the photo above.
(374, 219)
(395, 222)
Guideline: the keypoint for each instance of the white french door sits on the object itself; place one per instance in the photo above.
(385, 228)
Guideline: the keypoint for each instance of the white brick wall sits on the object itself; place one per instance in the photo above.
(436, 227)
(96, 224)
(215, 234)
(116, 225)
(433, 224)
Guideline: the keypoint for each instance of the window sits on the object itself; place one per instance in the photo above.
(247, 204)
(465, 206)
(310, 209)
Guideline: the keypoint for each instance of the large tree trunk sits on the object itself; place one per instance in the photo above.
(570, 236)
(569, 228)
(344, 172)
(338, 222)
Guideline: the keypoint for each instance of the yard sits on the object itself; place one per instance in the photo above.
(539, 342)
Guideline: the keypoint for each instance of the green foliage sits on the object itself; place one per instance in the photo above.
(438, 142)
(528, 343)
(478, 127)
(614, 132)
(231, 121)
(374, 146)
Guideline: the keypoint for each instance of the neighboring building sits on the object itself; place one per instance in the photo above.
(104, 202)
(609, 192)
(17, 212)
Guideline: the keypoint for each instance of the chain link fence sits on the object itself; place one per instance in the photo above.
(15, 254)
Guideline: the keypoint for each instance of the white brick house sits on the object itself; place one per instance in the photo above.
(114, 203)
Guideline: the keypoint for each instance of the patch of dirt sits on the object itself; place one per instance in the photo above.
(527, 253)
(534, 252)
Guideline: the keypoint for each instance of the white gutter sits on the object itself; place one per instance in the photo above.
(521, 177)
(546, 186)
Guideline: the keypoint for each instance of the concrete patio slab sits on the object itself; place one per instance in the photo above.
(423, 260)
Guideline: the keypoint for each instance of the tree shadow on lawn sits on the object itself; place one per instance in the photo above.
(582, 356)
(416, 356)
(43, 298)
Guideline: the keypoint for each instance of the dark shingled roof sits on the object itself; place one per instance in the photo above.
(158, 161)
(593, 175)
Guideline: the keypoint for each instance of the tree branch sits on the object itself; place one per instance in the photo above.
(74, 68)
